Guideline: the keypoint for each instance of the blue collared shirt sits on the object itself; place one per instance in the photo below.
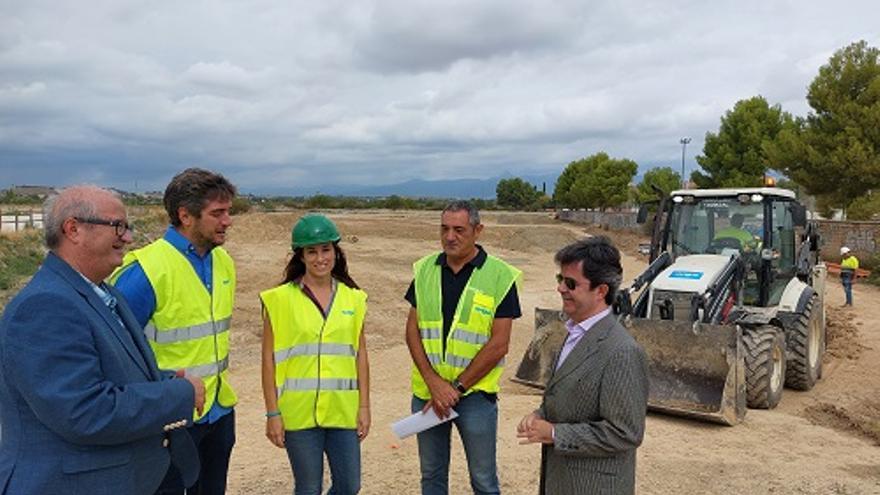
(141, 298)
(105, 295)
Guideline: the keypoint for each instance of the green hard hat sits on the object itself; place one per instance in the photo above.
(313, 229)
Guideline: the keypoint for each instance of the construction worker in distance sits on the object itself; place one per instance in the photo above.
(316, 379)
(181, 289)
(747, 241)
(458, 330)
(848, 266)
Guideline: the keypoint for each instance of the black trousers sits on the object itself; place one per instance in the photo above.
(214, 443)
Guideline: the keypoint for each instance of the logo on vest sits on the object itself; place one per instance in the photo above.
(348, 312)
(482, 310)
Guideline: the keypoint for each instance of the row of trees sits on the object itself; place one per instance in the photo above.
(597, 181)
(833, 153)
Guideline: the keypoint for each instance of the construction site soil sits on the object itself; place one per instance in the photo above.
(824, 441)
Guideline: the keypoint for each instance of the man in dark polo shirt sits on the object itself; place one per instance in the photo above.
(458, 337)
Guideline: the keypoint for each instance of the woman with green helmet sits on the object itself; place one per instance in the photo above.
(315, 369)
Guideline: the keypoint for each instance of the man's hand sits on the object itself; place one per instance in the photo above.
(526, 423)
(199, 392)
(275, 431)
(443, 397)
(533, 429)
(363, 423)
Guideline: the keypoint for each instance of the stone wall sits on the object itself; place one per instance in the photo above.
(862, 237)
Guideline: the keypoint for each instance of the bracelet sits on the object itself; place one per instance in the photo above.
(272, 414)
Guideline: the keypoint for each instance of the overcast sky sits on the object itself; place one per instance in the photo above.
(308, 94)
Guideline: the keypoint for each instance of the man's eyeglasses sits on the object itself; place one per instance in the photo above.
(569, 282)
(120, 226)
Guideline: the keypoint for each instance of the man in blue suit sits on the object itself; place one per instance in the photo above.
(84, 408)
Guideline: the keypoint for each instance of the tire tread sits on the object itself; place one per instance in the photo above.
(797, 368)
(758, 345)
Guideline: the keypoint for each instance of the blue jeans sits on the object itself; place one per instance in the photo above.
(214, 442)
(846, 279)
(477, 425)
(306, 449)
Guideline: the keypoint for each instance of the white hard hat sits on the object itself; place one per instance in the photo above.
(844, 250)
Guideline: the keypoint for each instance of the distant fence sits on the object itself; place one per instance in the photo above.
(16, 221)
(617, 220)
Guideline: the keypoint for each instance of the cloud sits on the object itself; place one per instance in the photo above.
(225, 76)
(424, 35)
(323, 93)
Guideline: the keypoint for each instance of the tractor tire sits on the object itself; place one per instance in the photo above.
(805, 344)
(765, 366)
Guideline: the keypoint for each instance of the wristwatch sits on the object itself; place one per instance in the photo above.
(458, 386)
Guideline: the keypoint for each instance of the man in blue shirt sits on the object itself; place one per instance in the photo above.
(153, 279)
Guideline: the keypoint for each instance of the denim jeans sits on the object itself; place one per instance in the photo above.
(846, 279)
(306, 449)
(477, 426)
(214, 442)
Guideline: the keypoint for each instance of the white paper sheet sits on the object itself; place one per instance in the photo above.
(419, 422)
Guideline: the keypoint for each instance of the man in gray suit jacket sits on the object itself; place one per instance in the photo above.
(592, 417)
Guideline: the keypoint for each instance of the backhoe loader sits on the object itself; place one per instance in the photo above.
(729, 310)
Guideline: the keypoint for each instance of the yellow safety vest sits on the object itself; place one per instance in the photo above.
(471, 326)
(849, 264)
(746, 239)
(189, 329)
(315, 358)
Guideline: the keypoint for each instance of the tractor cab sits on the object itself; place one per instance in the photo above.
(756, 224)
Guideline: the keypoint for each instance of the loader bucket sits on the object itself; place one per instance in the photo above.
(695, 370)
(537, 364)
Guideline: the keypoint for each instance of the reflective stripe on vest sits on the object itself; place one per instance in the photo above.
(316, 378)
(208, 369)
(471, 327)
(315, 350)
(186, 333)
(462, 361)
(318, 384)
(470, 337)
(189, 329)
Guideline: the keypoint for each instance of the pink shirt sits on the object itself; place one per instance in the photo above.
(576, 332)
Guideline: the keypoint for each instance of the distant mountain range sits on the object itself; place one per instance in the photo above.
(453, 188)
(416, 188)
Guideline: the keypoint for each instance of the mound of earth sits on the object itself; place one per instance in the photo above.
(842, 337)
(862, 419)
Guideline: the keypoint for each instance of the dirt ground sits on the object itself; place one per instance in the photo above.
(824, 441)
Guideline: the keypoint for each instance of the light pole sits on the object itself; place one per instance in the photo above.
(684, 142)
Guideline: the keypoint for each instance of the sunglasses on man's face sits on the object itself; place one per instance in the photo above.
(569, 282)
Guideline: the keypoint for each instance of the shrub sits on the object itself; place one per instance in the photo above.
(20, 256)
(240, 205)
(872, 263)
